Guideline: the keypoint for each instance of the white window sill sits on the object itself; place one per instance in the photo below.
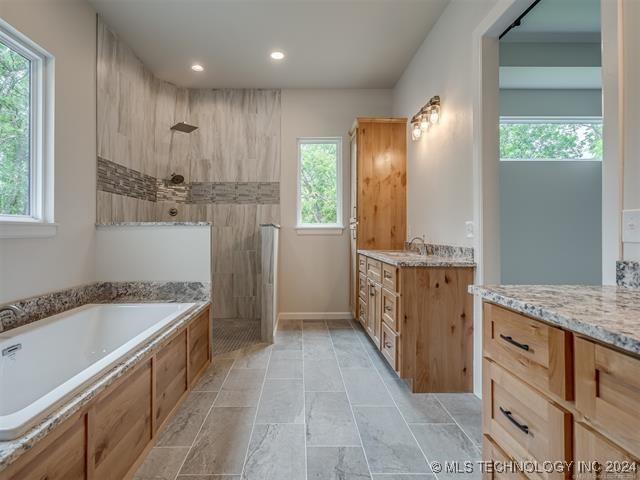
(28, 229)
(319, 230)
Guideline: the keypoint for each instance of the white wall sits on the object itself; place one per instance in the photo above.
(631, 118)
(153, 253)
(314, 269)
(67, 29)
(439, 170)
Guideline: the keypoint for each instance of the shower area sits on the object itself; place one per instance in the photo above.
(172, 154)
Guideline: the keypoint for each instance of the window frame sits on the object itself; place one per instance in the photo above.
(39, 222)
(513, 119)
(314, 228)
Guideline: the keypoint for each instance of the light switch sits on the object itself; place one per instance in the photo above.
(631, 226)
(468, 229)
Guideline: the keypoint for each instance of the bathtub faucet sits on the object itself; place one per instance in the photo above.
(17, 313)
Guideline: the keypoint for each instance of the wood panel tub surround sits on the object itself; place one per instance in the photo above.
(580, 397)
(421, 320)
(109, 437)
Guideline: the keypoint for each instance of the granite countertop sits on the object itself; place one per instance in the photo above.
(154, 224)
(405, 258)
(12, 449)
(607, 314)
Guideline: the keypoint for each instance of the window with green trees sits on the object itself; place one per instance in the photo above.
(15, 132)
(550, 139)
(319, 182)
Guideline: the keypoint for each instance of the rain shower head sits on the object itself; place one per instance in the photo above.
(184, 127)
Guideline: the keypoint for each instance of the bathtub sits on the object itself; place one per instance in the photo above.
(46, 362)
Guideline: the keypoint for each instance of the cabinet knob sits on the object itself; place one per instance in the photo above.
(388, 345)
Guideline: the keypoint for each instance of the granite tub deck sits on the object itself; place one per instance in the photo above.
(406, 258)
(11, 450)
(606, 314)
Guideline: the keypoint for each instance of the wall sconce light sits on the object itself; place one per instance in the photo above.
(427, 116)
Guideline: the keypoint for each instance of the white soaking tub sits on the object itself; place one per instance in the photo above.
(47, 361)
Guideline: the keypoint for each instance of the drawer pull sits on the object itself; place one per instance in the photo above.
(510, 340)
(372, 293)
(388, 345)
(387, 274)
(387, 308)
(509, 416)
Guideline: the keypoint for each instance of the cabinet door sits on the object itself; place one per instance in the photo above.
(598, 458)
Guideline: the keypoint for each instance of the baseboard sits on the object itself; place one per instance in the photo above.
(315, 316)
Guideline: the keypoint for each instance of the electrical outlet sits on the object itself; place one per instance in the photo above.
(631, 226)
(469, 229)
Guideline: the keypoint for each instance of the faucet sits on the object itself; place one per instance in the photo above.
(414, 239)
(17, 313)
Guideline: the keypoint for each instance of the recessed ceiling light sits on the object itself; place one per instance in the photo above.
(196, 67)
(277, 55)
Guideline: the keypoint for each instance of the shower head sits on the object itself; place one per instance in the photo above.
(184, 127)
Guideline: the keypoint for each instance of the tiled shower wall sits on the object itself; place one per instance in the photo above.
(231, 165)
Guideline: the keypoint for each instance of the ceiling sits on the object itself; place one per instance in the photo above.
(328, 43)
(559, 21)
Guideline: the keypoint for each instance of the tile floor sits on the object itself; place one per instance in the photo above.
(320, 403)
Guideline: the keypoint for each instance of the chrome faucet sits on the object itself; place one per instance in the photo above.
(414, 239)
(17, 313)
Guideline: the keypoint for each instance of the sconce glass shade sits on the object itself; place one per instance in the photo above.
(434, 116)
(424, 122)
(416, 132)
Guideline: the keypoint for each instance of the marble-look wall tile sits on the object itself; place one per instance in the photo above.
(628, 273)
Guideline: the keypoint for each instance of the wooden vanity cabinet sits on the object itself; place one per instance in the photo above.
(549, 394)
(421, 320)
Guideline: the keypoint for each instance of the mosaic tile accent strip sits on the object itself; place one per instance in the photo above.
(115, 178)
(628, 273)
(230, 335)
(42, 306)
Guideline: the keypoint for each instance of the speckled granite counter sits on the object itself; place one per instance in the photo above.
(412, 259)
(609, 315)
(12, 449)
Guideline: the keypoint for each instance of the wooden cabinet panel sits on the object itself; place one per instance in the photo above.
(62, 459)
(596, 457)
(390, 277)
(608, 392)
(494, 454)
(122, 426)
(390, 309)
(389, 345)
(199, 345)
(381, 184)
(374, 317)
(538, 353)
(527, 425)
(362, 288)
(171, 376)
(362, 264)
(374, 270)
(363, 313)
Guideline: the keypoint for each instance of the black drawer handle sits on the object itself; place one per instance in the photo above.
(510, 340)
(509, 416)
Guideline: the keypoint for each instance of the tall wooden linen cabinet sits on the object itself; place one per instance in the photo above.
(378, 190)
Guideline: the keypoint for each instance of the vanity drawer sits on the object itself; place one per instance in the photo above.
(608, 392)
(390, 309)
(362, 287)
(527, 425)
(539, 353)
(389, 345)
(362, 264)
(390, 277)
(590, 448)
(493, 453)
(374, 270)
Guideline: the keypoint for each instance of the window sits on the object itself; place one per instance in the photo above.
(320, 184)
(26, 201)
(531, 138)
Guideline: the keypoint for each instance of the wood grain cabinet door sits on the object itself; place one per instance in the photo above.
(608, 392)
(597, 458)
